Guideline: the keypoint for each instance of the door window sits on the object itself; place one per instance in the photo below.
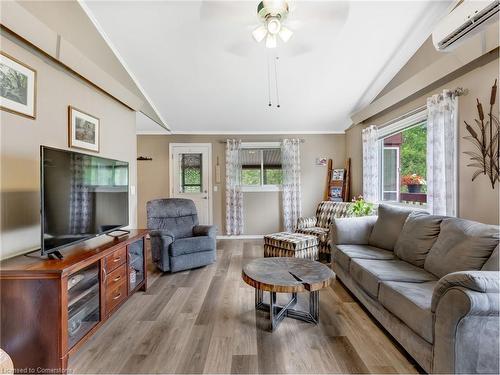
(191, 173)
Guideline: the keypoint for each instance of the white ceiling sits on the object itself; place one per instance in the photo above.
(198, 63)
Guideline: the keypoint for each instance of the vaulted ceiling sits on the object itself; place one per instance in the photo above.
(199, 65)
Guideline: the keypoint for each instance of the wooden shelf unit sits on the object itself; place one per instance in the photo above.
(342, 185)
(34, 298)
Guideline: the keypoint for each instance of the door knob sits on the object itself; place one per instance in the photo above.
(205, 197)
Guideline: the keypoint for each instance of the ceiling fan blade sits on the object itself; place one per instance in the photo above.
(259, 33)
(294, 23)
(228, 12)
(319, 11)
(285, 34)
(271, 40)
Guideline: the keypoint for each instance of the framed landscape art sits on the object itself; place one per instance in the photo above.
(17, 87)
(83, 130)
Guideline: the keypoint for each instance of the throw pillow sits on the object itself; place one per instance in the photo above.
(492, 264)
(462, 245)
(419, 233)
(388, 226)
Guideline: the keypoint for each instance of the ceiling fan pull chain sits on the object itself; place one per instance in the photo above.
(276, 80)
(269, 80)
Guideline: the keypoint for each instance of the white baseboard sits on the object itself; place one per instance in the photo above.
(242, 237)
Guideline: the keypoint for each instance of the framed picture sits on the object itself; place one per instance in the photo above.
(321, 161)
(17, 87)
(83, 130)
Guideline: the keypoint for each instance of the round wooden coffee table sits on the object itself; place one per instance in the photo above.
(287, 275)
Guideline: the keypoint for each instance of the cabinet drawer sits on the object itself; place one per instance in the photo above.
(116, 277)
(115, 259)
(116, 294)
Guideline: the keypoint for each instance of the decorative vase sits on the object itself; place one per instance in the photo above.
(414, 188)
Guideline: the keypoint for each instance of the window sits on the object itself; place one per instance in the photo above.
(191, 173)
(403, 154)
(109, 174)
(261, 167)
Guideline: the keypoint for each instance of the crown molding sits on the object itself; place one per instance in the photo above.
(319, 132)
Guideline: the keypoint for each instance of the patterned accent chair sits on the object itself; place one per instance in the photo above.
(319, 225)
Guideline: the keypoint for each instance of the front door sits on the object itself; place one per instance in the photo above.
(190, 176)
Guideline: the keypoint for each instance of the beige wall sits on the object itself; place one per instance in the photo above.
(477, 200)
(262, 210)
(21, 139)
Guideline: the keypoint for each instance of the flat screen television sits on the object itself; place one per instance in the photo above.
(82, 196)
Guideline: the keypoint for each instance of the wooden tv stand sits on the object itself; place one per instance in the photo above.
(49, 308)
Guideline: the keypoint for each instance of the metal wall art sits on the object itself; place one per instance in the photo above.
(484, 135)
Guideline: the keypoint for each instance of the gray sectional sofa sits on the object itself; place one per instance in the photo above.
(431, 281)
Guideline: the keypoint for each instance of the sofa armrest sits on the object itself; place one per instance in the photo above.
(205, 230)
(160, 244)
(478, 281)
(306, 222)
(466, 328)
(351, 230)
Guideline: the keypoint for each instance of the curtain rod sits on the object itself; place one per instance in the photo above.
(459, 91)
(302, 140)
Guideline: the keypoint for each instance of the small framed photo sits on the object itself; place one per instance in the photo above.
(83, 130)
(17, 87)
(321, 162)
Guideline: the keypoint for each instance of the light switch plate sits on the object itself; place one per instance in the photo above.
(132, 189)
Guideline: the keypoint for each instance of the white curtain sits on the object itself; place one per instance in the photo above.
(234, 195)
(290, 164)
(442, 123)
(371, 182)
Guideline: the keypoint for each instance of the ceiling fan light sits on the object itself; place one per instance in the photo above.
(259, 33)
(273, 25)
(285, 34)
(271, 41)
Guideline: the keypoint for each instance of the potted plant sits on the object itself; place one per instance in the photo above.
(360, 207)
(414, 182)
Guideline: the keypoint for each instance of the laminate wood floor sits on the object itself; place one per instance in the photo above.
(204, 321)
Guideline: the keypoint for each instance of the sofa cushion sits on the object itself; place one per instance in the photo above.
(419, 233)
(492, 262)
(191, 245)
(352, 230)
(368, 273)
(388, 226)
(343, 254)
(410, 302)
(462, 245)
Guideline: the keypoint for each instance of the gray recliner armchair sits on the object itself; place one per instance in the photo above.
(177, 241)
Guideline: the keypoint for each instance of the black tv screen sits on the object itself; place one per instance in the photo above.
(82, 196)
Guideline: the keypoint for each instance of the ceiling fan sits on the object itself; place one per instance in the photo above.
(272, 14)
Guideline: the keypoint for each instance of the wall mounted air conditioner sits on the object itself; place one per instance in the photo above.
(466, 19)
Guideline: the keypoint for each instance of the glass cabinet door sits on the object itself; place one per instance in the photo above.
(135, 264)
(83, 302)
